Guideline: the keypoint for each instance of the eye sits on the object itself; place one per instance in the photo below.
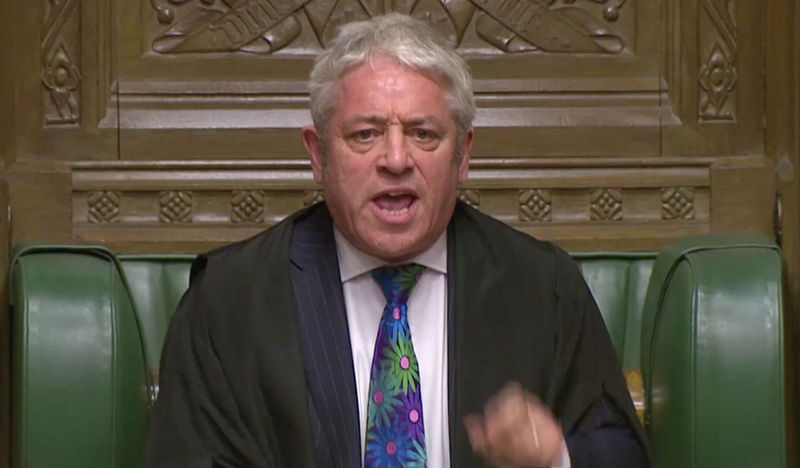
(423, 135)
(364, 136)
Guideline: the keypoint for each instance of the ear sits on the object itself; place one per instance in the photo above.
(311, 140)
(466, 152)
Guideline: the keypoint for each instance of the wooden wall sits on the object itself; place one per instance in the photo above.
(173, 125)
(782, 146)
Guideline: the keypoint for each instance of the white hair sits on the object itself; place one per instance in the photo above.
(411, 43)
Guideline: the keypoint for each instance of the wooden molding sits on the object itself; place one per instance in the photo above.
(621, 203)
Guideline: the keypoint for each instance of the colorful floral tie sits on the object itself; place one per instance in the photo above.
(395, 431)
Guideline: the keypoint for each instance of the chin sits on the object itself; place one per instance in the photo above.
(400, 247)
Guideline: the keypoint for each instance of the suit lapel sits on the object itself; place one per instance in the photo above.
(453, 421)
(325, 340)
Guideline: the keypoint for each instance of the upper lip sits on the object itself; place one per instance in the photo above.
(397, 191)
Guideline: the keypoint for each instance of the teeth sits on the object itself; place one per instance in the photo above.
(396, 212)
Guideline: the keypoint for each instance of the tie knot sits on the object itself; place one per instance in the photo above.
(398, 281)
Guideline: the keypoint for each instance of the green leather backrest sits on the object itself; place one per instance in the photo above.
(157, 283)
(712, 354)
(618, 281)
(79, 384)
(88, 329)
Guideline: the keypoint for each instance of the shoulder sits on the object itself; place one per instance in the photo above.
(252, 268)
(243, 258)
(524, 258)
(500, 241)
(230, 287)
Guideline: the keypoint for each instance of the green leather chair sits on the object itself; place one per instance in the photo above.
(699, 324)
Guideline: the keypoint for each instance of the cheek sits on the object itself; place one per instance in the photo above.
(346, 188)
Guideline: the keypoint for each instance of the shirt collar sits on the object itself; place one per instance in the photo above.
(353, 262)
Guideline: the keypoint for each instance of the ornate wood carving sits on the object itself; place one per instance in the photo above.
(547, 25)
(606, 205)
(103, 206)
(176, 206)
(266, 26)
(719, 60)
(60, 56)
(470, 197)
(583, 203)
(261, 26)
(313, 196)
(535, 205)
(247, 206)
(677, 203)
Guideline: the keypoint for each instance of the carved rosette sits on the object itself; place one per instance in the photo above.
(103, 206)
(606, 205)
(470, 197)
(266, 26)
(311, 197)
(718, 51)
(60, 53)
(677, 203)
(175, 207)
(247, 206)
(535, 205)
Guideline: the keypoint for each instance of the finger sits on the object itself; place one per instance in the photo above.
(505, 414)
(476, 432)
(506, 424)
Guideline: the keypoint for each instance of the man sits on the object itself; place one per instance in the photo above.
(476, 345)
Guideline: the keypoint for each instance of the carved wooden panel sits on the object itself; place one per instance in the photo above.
(597, 119)
(194, 73)
(224, 79)
(535, 205)
(247, 206)
(718, 53)
(470, 197)
(60, 54)
(579, 203)
(606, 204)
(714, 93)
(677, 203)
(103, 206)
(288, 26)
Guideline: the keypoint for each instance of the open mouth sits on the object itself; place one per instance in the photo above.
(395, 206)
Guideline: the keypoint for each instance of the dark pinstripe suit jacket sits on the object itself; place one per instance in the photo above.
(252, 376)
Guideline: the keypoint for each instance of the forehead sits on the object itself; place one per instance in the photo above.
(387, 86)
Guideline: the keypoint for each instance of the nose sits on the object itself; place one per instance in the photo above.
(396, 158)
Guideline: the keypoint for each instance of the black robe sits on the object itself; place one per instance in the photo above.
(234, 385)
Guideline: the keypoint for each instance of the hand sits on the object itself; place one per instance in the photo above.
(515, 429)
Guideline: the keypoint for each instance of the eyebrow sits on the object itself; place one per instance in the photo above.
(373, 119)
(378, 120)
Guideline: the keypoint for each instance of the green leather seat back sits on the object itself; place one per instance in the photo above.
(157, 283)
(708, 340)
(712, 354)
(618, 281)
(78, 381)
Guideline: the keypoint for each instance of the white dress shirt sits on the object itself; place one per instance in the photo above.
(427, 318)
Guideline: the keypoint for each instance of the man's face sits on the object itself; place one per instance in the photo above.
(390, 175)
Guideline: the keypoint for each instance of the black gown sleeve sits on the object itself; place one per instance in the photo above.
(197, 421)
(591, 396)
